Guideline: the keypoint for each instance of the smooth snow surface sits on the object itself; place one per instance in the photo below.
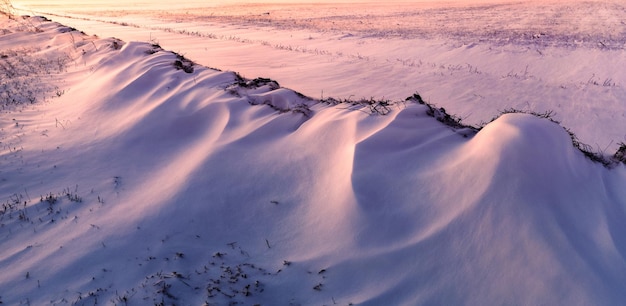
(138, 178)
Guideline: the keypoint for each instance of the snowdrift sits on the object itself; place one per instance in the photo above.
(151, 180)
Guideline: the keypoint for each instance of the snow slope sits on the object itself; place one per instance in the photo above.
(135, 180)
(475, 58)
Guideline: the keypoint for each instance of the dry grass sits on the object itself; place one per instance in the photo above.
(7, 9)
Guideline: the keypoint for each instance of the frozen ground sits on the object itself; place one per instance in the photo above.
(131, 176)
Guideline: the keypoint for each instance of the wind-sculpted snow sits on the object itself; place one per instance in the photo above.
(149, 184)
(515, 207)
(475, 58)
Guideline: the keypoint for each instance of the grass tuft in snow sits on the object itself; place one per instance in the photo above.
(620, 155)
(7, 9)
(51, 208)
(116, 44)
(22, 77)
(441, 115)
(155, 48)
(184, 64)
(257, 82)
(372, 106)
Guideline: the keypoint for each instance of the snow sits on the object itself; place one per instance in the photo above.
(543, 53)
(134, 180)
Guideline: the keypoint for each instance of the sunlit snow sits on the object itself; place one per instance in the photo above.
(295, 172)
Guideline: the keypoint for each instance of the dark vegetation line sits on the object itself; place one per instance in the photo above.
(455, 122)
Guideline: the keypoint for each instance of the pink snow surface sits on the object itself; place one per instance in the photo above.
(131, 180)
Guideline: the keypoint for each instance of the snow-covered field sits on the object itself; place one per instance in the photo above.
(131, 175)
(473, 59)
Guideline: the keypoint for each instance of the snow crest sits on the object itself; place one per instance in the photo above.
(145, 183)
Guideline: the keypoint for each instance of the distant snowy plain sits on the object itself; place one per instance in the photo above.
(131, 176)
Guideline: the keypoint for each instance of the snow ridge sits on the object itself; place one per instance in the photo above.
(148, 182)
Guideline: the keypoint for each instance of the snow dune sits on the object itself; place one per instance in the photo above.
(143, 183)
(475, 58)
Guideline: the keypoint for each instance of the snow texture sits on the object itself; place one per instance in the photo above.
(137, 176)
